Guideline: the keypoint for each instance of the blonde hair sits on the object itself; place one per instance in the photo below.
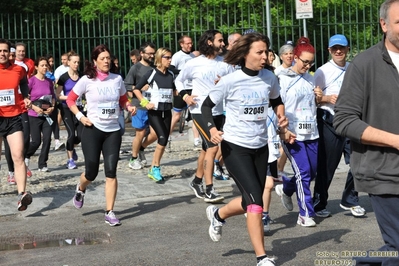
(158, 56)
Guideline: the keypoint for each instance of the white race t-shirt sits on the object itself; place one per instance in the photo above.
(179, 60)
(102, 100)
(203, 72)
(59, 71)
(247, 101)
(395, 58)
(300, 105)
(329, 78)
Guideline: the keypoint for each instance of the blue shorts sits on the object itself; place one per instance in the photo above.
(140, 120)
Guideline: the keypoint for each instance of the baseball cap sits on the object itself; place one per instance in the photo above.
(289, 42)
(338, 39)
(248, 31)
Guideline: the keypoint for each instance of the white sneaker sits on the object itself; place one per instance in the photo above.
(215, 228)
(266, 262)
(306, 221)
(142, 158)
(285, 200)
(135, 164)
(355, 210)
(59, 145)
(27, 162)
(44, 169)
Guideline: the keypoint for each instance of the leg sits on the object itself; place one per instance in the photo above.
(36, 134)
(15, 140)
(386, 213)
(46, 133)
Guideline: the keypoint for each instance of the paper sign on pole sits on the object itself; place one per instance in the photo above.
(304, 9)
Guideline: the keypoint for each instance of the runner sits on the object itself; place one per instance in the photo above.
(12, 78)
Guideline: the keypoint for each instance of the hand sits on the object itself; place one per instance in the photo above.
(28, 103)
(318, 94)
(282, 121)
(150, 106)
(38, 110)
(49, 111)
(190, 100)
(132, 110)
(332, 98)
(288, 136)
(86, 122)
(217, 80)
(216, 135)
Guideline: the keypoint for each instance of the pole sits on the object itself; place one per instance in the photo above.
(305, 31)
(268, 22)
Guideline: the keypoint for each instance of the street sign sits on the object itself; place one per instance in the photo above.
(304, 9)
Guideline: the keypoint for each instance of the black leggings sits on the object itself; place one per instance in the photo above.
(160, 121)
(55, 127)
(73, 127)
(248, 168)
(95, 141)
(26, 132)
(39, 127)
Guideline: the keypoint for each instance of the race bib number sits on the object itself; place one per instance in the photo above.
(7, 97)
(253, 110)
(108, 111)
(305, 126)
(165, 95)
(147, 95)
(274, 146)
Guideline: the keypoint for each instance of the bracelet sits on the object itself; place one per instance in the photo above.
(79, 116)
(144, 102)
(185, 96)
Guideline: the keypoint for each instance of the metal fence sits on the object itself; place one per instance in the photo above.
(57, 33)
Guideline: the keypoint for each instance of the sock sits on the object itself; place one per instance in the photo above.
(209, 188)
(197, 180)
(142, 148)
(218, 217)
(134, 158)
(259, 258)
(107, 211)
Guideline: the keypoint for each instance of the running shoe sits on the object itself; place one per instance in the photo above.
(217, 174)
(43, 169)
(135, 164)
(198, 189)
(11, 178)
(213, 196)
(323, 213)
(24, 201)
(197, 145)
(266, 262)
(355, 210)
(306, 221)
(74, 155)
(71, 164)
(155, 174)
(78, 199)
(215, 228)
(28, 172)
(266, 223)
(285, 200)
(143, 160)
(59, 145)
(27, 160)
(224, 174)
(111, 219)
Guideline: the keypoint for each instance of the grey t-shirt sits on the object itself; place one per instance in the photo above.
(136, 72)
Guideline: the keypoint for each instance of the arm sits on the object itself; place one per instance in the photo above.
(279, 110)
(206, 110)
(71, 102)
(23, 84)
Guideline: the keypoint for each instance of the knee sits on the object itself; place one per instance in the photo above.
(91, 171)
(163, 141)
(254, 208)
